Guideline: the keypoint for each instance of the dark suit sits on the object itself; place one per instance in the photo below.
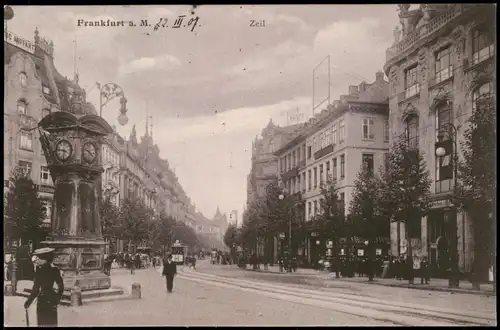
(169, 271)
(48, 299)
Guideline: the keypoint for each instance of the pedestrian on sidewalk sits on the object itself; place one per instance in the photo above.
(46, 275)
(169, 271)
(424, 271)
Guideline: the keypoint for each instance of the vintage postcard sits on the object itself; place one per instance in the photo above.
(259, 165)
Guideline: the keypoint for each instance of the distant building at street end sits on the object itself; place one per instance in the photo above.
(264, 168)
(333, 145)
(441, 62)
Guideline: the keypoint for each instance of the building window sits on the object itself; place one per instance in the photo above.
(412, 87)
(45, 112)
(26, 141)
(341, 130)
(342, 201)
(310, 180)
(315, 207)
(309, 210)
(386, 131)
(368, 163)
(328, 170)
(298, 155)
(289, 162)
(368, 129)
(304, 151)
(443, 119)
(342, 166)
(315, 177)
(45, 175)
(386, 162)
(328, 136)
(334, 169)
(23, 79)
(304, 181)
(309, 152)
(334, 134)
(482, 92)
(45, 90)
(294, 158)
(411, 131)
(320, 174)
(22, 107)
(315, 146)
(272, 146)
(444, 69)
(482, 44)
(25, 168)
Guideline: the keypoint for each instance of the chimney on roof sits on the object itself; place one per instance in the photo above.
(362, 87)
(379, 76)
(353, 90)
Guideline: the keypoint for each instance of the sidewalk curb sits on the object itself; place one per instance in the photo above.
(424, 288)
(404, 286)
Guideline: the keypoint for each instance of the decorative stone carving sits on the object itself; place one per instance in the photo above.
(423, 64)
(394, 79)
(397, 34)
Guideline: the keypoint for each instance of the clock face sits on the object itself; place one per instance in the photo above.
(63, 150)
(89, 152)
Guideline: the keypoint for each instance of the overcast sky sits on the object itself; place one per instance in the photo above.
(212, 90)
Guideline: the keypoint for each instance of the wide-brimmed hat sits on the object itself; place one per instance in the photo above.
(43, 251)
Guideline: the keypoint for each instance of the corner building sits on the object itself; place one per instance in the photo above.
(441, 62)
(333, 145)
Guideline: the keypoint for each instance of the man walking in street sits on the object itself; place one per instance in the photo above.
(169, 271)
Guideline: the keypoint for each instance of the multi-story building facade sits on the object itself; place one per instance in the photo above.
(438, 68)
(264, 168)
(33, 88)
(333, 145)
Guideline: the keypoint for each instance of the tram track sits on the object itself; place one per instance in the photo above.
(406, 314)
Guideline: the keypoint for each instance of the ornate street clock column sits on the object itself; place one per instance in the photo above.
(71, 140)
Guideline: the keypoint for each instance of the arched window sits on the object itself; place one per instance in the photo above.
(482, 92)
(23, 79)
(443, 120)
(272, 146)
(411, 130)
(22, 107)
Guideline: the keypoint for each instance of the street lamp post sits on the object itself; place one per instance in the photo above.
(109, 92)
(446, 150)
(290, 213)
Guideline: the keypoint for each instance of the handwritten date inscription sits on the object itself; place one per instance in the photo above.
(257, 23)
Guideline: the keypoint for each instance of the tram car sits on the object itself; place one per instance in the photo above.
(179, 253)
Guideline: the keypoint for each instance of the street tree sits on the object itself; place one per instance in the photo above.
(252, 224)
(185, 234)
(476, 189)
(330, 219)
(110, 219)
(23, 210)
(405, 194)
(231, 236)
(133, 221)
(364, 212)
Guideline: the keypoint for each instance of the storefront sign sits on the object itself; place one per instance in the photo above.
(440, 204)
(14, 40)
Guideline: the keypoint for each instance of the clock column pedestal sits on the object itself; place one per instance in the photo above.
(71, 141)
(76, 232)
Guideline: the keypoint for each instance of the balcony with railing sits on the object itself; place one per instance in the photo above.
(293, 172)
(324, 151)
(424, 31)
